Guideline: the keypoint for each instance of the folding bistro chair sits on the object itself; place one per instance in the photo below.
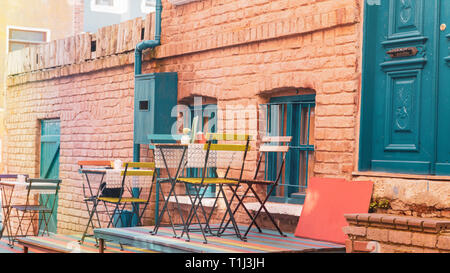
(94, 174)
(127, 186)
(206, 156)
(264, 150)
(47, 187)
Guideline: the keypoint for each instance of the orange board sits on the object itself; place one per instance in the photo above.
(327, 200)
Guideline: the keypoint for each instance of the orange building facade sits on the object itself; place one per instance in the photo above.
(239, 55)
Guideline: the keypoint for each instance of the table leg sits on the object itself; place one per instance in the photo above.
(101, 248)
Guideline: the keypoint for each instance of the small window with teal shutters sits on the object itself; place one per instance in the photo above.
(291, 116)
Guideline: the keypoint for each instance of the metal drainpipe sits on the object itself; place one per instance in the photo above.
(138, 61)
(138, 71)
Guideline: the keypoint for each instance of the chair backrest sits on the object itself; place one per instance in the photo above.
(228, 137)
(274, 144)
(130, 177)
(149, 166)
(223, 155)
(44, 186)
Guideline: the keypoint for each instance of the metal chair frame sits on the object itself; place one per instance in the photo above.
(264, 149)
(34, 209)
(122, 202)
(92, 197)
(197, 202)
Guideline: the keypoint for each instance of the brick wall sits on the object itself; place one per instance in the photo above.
(238, 52)
(78, 16)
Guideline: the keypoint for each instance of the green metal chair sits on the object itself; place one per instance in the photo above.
(48, 187)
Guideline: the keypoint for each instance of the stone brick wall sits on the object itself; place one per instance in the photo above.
(410, 195)
(239, 52)
(383, 233)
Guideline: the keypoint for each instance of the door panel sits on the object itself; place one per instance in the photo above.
(50, 146)
(403, 96)
(443, 140)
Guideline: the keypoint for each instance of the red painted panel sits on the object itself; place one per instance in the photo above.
(327, 200)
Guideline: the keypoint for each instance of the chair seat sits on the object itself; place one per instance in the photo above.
(256, 181)
(31, 208)
(116, 200)
(208, 180)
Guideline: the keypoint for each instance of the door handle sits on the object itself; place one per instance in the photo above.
(443, 27)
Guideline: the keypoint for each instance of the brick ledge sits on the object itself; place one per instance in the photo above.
(398, 222)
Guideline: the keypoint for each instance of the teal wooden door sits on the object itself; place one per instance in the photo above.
(443, 148)
(404, 78)
(50, 146)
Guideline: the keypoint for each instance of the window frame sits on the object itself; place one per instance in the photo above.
(30, 29)
(147, 9)
(119, 7)
(272, 161)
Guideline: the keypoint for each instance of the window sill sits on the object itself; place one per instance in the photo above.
(277, 208)
(399, 175)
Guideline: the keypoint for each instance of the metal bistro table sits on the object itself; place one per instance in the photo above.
(7, 185)
(167, 157)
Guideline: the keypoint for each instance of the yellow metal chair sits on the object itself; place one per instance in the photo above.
(130, 188)
(211, 155)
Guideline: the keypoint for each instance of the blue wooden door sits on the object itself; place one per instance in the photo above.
(49, 163)
(404, 79)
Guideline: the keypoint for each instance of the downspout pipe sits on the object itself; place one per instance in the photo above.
(138, 61)
(138, 71)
